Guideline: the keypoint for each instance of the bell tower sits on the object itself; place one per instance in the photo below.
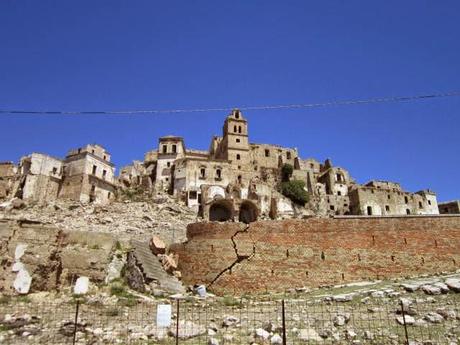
(235, 139)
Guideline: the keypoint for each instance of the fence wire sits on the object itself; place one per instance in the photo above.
(364, 321)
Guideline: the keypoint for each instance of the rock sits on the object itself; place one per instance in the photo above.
(276, 340)
(262, 334)
(411, 287)
(433, 317)
(448, 314)
(213, 341)
(23, 281)
(309, 334)
(443, 287)
(339, 320)
(157, 246)
(409, 320)
(453, 284)
(187, 330)
(343, 297)
(81, 286)
(230, 321)
(431, 290)
(114, 269)
(169, 262)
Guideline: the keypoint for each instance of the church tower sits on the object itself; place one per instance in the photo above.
(235, 140)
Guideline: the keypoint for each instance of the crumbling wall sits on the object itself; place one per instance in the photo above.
(51, 257)
(276, 255)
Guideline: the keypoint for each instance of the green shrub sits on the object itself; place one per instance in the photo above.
(295, 191)
(286, 172)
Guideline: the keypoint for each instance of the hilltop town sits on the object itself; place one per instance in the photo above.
(235, 180)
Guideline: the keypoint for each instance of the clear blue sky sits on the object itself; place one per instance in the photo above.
(99, 55)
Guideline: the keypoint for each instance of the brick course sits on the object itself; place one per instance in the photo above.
(277, 255)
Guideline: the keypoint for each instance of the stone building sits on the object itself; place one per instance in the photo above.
(88, 175)
(40, 178)
(387, 198)
(237, 180)
(8, 171)
(450, 207)
(85, 175)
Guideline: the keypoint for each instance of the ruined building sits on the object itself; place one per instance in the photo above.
(86, 175)
(237, 180)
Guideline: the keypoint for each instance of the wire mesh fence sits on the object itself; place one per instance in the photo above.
(364, 321)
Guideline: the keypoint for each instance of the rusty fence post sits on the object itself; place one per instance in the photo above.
(77, 308)
(177, 322)
(404, 322)
(284, 321)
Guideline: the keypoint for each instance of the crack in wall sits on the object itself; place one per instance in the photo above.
(239, 258)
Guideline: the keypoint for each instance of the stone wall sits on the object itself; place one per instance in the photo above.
(51, 257)
(276, 255)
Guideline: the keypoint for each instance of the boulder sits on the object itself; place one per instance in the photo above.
(309, 334)
(157, 246)
(453, 284)
(409, 320)
(434, 317)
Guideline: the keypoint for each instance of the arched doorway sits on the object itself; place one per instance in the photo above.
(248, 212)
(220, 211)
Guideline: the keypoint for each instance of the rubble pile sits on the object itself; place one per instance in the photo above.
(162, 215)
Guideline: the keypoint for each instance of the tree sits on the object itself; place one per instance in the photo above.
(286, 172)
(295, 191)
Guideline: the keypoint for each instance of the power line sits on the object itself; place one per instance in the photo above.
(261, 107)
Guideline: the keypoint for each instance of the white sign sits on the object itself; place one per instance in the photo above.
(81, 286)
(163, 315)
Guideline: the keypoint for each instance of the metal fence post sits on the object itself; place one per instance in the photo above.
(404, 322)
(77, 308)
(177, 323)
(284, 321)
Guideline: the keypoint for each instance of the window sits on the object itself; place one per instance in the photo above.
(174, 148)
(288, 155)
(104, 173)
(406, 199)
(94, 169)
(202, 172)
(267, 153)
(238, 157)
(420, 205)
(237, 140)
(219, 173)
(165, 149)
(387, 208)
(369, 210)
(192, 195)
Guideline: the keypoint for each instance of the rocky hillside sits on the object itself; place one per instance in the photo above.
(126, 219)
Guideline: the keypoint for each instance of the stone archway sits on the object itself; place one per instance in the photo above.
(248, 212)
(220, 211)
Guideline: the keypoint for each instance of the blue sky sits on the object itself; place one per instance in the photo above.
(104, 55)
